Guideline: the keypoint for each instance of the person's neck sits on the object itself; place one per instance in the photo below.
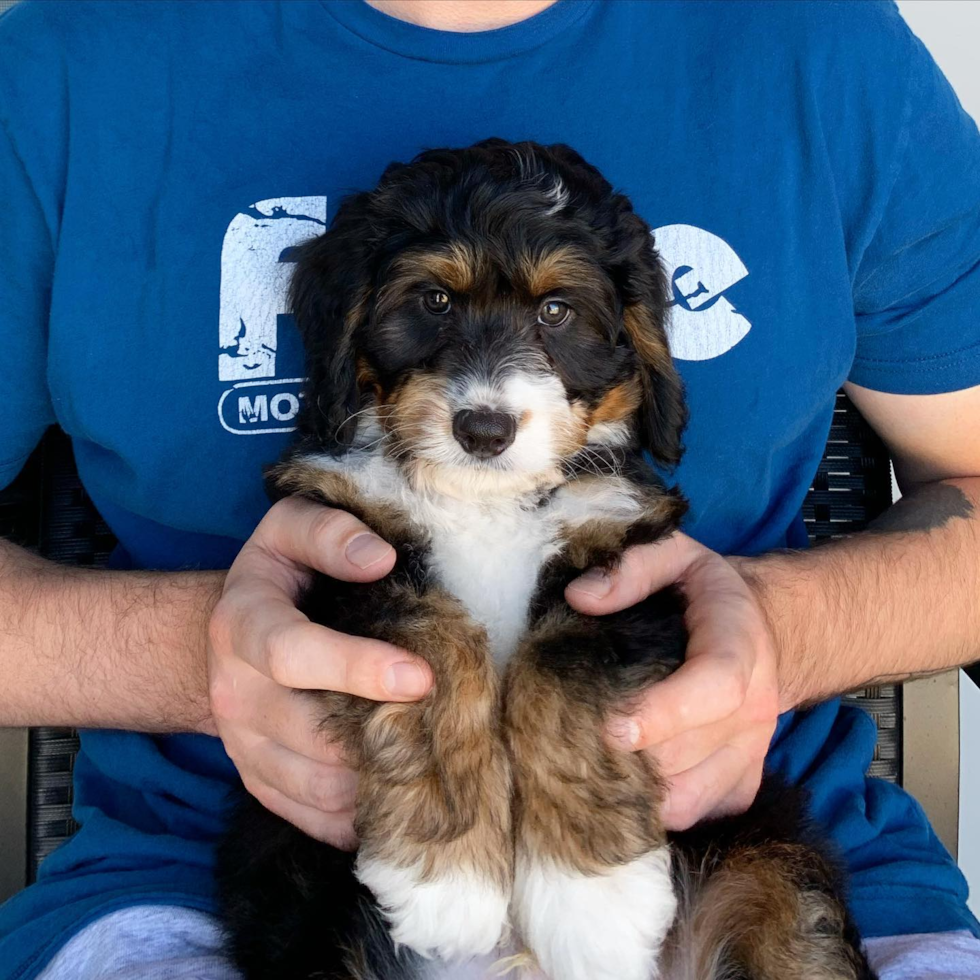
(461, 15)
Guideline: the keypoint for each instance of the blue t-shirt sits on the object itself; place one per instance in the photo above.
(814, 184)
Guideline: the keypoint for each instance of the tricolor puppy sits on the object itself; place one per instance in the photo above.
(489, 378)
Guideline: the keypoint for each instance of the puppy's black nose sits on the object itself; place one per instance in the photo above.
(484, 434)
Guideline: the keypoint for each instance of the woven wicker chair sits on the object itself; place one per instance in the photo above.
(47, 508)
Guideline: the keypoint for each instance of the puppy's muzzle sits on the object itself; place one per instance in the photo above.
(484, 434)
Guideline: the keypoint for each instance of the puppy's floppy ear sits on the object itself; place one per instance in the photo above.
(643, 286)
(329, 298)
(663, 413)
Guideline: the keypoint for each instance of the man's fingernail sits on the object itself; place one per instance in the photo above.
(595, 582)
(367, 549)
(406, 680)
(625, 731)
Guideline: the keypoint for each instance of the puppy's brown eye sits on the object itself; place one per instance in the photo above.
(553, 313)
(437, 301)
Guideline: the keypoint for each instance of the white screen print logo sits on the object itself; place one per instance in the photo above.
(256, 267)
(701, 266)
(255, 271)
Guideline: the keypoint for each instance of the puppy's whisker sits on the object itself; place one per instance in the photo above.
(373, 444)
(350, 418)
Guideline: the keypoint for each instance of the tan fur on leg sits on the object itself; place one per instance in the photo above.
(589, 806)
(593, 895)
(434, 794)
(435, 771)
(754, 915)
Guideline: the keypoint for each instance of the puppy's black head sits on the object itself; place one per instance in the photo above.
(488, 312)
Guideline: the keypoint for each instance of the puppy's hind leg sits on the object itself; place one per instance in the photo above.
(593, 891)
(434, 794)
(761, 899)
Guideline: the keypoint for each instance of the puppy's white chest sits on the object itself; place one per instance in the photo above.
(488, 552)
(489, 558)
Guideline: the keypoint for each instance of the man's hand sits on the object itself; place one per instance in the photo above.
(709, 724)
(262, 649)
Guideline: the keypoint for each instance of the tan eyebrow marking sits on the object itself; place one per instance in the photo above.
(545, 273)
(456, 266)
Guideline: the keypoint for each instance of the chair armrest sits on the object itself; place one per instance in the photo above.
(931, 751)
(13, 810)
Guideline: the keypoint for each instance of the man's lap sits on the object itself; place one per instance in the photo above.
(945, 955)
(144, 942)
(902, 880)
(153, 942)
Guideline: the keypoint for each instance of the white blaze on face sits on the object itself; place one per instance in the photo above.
(539, 403)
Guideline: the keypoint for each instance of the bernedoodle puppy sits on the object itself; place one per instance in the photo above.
(489, 381)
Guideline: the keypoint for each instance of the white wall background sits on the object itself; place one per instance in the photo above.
(950, 30)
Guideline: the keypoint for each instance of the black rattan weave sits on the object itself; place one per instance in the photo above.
(47, 509)
(20, 506)
(853, 483)
(51, 763)
(853, 486)
(71, 532)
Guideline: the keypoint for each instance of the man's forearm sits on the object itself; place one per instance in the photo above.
(103, 649)
(898, 600)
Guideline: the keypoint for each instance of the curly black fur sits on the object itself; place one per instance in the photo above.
(478, 194)
(292, 907)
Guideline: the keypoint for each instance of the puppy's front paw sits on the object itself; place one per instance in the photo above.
(452, 916)
(607, 926)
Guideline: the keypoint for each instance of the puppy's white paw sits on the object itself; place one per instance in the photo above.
(600, 927)
(452, 917)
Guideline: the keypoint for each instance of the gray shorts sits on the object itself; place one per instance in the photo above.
(151, 942)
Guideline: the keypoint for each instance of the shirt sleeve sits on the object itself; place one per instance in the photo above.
(917, 285)
(26, 271)
(25, 283)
